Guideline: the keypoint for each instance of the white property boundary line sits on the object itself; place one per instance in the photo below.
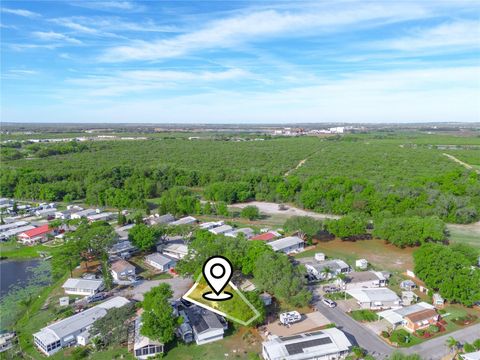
(245, 323)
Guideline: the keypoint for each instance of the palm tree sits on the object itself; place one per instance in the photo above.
(452, 345)
(326, 272)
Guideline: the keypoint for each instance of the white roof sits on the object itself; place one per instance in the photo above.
(85, 212)
(373, 295)
(312, 345)
(83, 284)
(75, 323)
(248, 232)
(471, 356)
(140, 340)
(100, 215)
(17, 230)
(396, 316)
(184, 221)
(285, 242)
(159, 259)
(15, 224)
(176, 248)
(221, 229)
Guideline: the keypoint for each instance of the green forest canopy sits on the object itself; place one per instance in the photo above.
(391, 175)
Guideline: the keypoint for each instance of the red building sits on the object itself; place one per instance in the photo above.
(33, 236)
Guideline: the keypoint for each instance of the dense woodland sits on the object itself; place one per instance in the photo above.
(381, 175)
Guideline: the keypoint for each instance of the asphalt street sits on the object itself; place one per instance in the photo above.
(433, 349)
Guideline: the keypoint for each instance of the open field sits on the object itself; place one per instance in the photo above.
(377, 252)
(468, 234)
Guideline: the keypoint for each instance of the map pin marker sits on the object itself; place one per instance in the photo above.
(217, 271)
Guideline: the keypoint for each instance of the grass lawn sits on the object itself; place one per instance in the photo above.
(242, 344)
(364, 315)
(457, 311)
(467, 234)
(378, 253)
(14, 250)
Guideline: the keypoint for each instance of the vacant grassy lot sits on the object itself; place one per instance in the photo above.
(380, 254)
(468, 234)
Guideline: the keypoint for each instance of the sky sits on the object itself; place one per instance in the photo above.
(240, 61)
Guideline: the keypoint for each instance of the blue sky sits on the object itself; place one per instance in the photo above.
(240, 61)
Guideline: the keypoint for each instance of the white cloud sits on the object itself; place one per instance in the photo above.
(21, 12)
(253, 26)
(54, 36)
(70, 23)
(135, 81)
(110, 5)
(453, 34)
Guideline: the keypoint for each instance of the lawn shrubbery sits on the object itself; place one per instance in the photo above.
(364, 315)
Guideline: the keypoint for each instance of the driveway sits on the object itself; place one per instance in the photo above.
(179, 287)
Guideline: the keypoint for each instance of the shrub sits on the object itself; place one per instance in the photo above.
(433, 329)
(385, 334)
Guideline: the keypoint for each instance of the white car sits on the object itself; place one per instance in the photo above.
(329, 303)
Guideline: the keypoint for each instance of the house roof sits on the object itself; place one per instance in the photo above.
(264, 237)
(184, 221)
(159, 259)
(362, 276)
(141, 340)
(421, 315)
(471, 356)
(37, 231)
(311, 345)
(221, 229)
(203, 320)
(75, 323)
(176, 248)
(234, 233)
(396, 316)
(122, 265)
(121, 246)
(16, 231)
(76, 283)
(373, 295)
(285, 242)
(334, 265)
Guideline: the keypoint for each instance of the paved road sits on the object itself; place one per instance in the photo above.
(356, 333)
(433, 349)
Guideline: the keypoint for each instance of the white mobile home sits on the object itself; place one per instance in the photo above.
(83, 287)
(288, 244)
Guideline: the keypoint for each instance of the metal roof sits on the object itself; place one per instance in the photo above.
(83, 284)
(285, 242)
(312, 345)
(374, 294)
(159, 259)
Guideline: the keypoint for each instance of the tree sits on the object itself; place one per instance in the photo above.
(112, 329)
(250, 212)
(452, 344)
(158, 322)
(121, 219)
(106, 274)
(222, 209)
(306, 226)
(410, 231)
(143, 236)
(347, 227)
(449, 272)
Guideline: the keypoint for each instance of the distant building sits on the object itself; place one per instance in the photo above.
(83, 287)
(335, 267)
(438, 301)
(36, 235)
(122, 232)
(144, 347)
(6, 341)
(74, 329)
(361, 264)
(365, 279)
(221, 229)
(188, 220)
(376, 298)
(287, 245)
(104, 216)
(159, 219)
(83, 214)
(122, 249)
(266, 236)
(122, 270)
(211, 225)
(5, 235)
(160, 262)
(175, 250)
(327, 344)
(46, 212)
(408, 285)
(247, 232)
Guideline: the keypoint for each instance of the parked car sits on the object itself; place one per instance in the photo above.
(96, 297)
(329, 303)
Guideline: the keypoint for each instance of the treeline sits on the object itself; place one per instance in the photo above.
(17, 150)
(126, 175)
(272, 272)
(401, 232)
(451, 270)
